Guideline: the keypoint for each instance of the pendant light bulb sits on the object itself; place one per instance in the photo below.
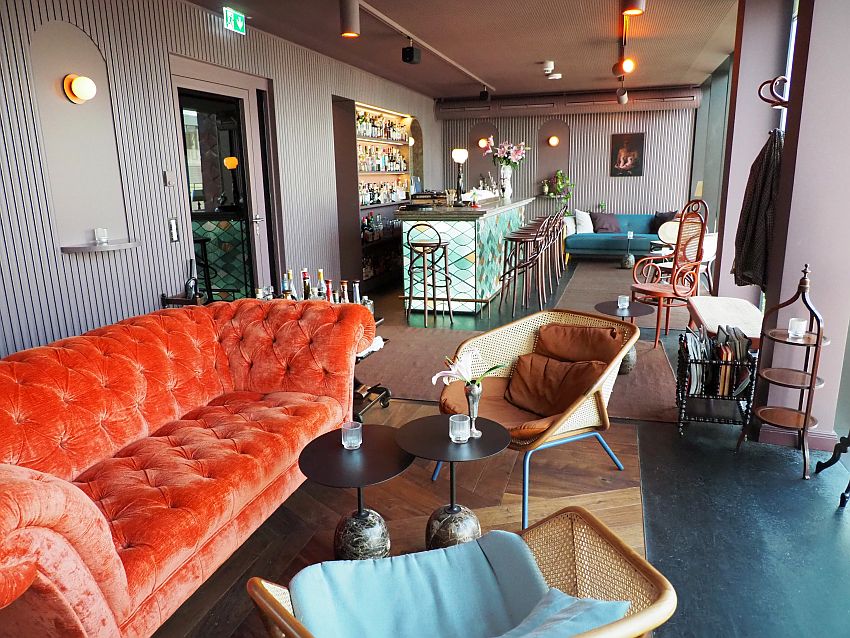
(632, 7)
(349, 18)
(622, 95)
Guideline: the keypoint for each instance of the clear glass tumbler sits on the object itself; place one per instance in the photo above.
(623, 302)
(459, 427)
(797, 327)
(352, 435)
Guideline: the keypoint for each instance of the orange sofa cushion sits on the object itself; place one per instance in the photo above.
(522, 424)
(166, 494)
(578, 343)
(546, 386)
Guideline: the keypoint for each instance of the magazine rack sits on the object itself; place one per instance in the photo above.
(700, 396)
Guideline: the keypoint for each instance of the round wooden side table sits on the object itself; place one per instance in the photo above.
(363, 533)
(428, 438)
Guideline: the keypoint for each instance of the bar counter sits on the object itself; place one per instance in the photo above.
(476, 240)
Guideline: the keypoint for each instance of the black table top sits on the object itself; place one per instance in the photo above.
(378, 459)
(428, 438)
(635, 309)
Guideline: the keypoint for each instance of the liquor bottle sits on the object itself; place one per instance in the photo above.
(329, 290)
(355, 289)
(320, 284)
(343, 286)
(305, 280)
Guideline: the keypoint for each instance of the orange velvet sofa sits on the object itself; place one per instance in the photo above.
(136, 458)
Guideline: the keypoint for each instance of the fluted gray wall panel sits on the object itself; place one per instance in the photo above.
(667, 157)
(47, 295)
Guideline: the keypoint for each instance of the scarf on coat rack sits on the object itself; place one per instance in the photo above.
(755, 226)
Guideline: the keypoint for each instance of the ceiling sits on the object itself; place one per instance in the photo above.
(676, 42)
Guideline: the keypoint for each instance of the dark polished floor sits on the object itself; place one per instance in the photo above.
(751, 548)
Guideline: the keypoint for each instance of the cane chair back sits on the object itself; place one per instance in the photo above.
(689, 244)
(504, 345)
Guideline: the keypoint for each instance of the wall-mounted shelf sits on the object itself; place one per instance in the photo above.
(371, 206)
(380, 140)
(92, 247)
(382, 173)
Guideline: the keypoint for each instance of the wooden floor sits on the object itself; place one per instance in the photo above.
(300, 532)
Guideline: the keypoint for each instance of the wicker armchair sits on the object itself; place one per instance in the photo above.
(575, 552)
(587, 417)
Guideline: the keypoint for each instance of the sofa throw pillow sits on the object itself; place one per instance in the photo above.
(559, 615)
(661, 218)
(578, 343)
(605, 223)
(547, 386)
(570, 223)
(583, 222)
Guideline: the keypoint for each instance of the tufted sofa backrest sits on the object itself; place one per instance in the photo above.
(65, 406)
(293, 346)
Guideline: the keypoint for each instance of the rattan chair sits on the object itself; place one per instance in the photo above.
(575, 552)
(586, 418)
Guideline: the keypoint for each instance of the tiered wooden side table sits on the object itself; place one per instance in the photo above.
(805, 379)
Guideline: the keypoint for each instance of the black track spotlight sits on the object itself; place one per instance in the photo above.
(484, 95)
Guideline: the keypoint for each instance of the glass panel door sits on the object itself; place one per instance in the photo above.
(217, 167)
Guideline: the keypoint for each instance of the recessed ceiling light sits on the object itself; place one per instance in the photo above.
(554, 76)
(349, 18)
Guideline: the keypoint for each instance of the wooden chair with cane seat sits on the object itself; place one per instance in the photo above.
(575, 552)
(586, 417)
(667, 281)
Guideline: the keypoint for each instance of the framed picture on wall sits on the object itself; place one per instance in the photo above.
(627, 155)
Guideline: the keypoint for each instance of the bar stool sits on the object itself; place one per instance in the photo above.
(522, 258)
(429, 246)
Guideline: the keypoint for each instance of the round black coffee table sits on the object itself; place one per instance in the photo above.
(635, 309)
(363, 533)
(428, 438)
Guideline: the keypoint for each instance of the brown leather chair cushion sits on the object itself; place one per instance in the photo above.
(546, 386)
(578, 343)
(523, 425)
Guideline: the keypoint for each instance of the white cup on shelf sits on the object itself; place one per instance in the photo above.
(797, 327)
(101, 236)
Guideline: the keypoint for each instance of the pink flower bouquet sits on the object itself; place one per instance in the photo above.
(506, 153)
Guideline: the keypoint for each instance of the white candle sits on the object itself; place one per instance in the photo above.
(630, 234)
(101, 235)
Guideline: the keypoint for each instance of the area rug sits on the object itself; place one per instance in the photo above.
(647, 393)
(413, 355)
(594, 281)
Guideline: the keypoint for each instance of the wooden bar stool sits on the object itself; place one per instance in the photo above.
(524, 250)
(426, 252)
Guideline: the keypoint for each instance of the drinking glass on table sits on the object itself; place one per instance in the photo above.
(459, 428)
(352, 435)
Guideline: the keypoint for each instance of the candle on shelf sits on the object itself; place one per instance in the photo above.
(796, 327)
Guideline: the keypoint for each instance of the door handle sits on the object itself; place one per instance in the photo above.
(257, 220)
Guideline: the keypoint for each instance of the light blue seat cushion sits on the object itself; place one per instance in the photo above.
(560, 615)
(475, 590)
(603, 243)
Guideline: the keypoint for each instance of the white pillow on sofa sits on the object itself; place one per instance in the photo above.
(570, 221)
(583, 222)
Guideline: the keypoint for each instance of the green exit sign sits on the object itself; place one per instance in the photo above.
(234, 21)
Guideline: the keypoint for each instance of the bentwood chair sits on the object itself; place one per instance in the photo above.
(667, 281)
(575, 552)
(428, 262)
(586, 418)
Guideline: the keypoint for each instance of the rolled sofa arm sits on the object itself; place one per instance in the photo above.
(54, 538)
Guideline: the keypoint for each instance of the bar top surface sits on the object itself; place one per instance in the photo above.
(462, 213)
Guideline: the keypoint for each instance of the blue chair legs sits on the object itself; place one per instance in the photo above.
(437, 471)
(526, 465)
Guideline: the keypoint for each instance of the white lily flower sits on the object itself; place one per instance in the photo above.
(460, 369)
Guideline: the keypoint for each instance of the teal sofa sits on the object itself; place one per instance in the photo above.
(614, 244)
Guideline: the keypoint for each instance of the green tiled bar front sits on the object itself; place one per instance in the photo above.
(476, 241)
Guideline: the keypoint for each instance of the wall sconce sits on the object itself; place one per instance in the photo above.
(231, 163)
(459, 156)
(78, 88)
(553, 140)
(632, 7)
(482, 143)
